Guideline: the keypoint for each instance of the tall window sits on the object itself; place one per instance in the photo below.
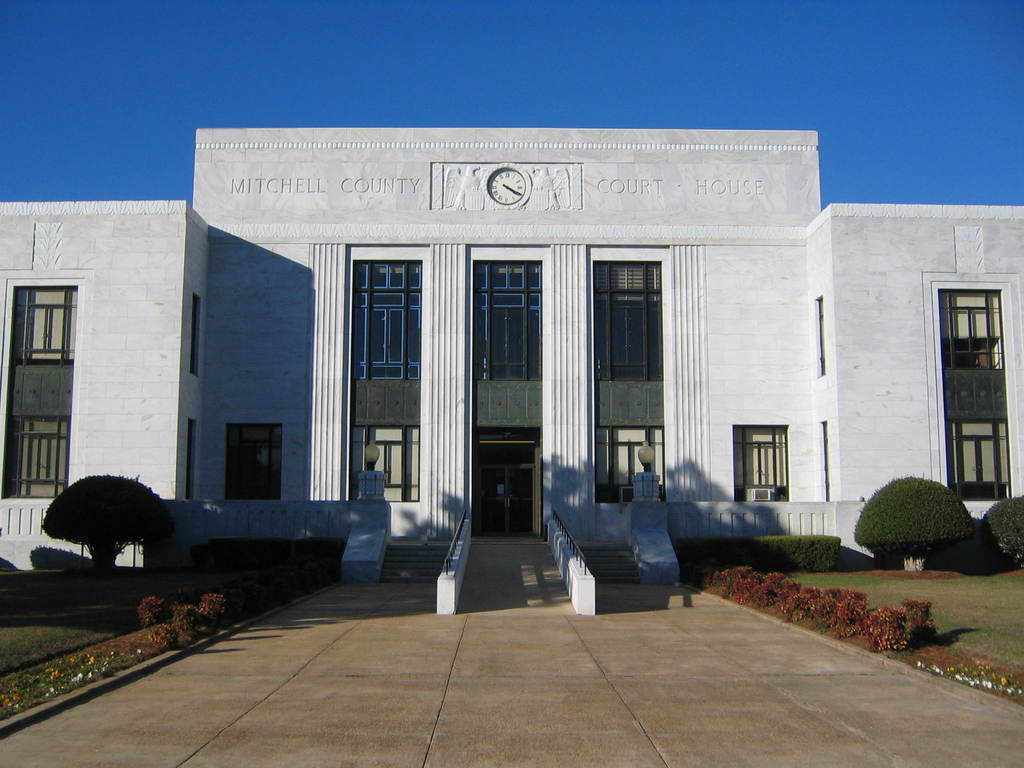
(627, 321)
(819, 309)
(399, 460)
(979, 459)
(506, 321)
(39, 401)
(977, 454)
(617, 460)
(760, 463)
(193, 346)
(190, 457)
(253, 461)
(972, 330)
(386, 336)
(824, 460)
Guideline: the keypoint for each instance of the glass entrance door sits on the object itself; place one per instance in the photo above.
(507, 492)
(506, 499)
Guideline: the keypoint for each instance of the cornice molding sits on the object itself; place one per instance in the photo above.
(524, 234)
(905, 211)
(95, 207)
(509, 145)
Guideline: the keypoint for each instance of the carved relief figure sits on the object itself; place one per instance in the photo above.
(561, 188)
(540, 197)
(463, 189)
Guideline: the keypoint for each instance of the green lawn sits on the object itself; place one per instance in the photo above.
(978, 615)
(45, 613)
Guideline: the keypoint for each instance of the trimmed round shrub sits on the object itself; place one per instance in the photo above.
(913, 517)
(107, 513)
(1005, 523)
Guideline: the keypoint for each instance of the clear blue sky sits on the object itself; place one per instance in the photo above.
(914, 102)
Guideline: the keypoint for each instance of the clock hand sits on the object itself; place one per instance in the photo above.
(513, 191)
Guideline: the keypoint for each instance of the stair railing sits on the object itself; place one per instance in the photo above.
(450, 557)
(574, 548)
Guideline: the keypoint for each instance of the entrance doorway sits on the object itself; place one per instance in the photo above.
(507, 482)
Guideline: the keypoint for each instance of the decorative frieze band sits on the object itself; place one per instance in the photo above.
(510, 145)
(94, 207)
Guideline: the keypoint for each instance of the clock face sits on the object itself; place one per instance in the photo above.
(506, 186)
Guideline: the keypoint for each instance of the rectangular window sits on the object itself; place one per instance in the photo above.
(386, 320)
(399, 460)
(253, 461)
(824, 459)
(37, 456)
(39, 400)
(972, 330)
(760, 463)
(627, 321)
(193, 349)
(44, 326)
(616, 459)
(190, 456)
(506, 321)
(819, 307)
(979, 459)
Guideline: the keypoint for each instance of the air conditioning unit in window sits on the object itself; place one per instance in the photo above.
(760, 494)
(625, 494)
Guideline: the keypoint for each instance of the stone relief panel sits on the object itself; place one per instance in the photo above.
(506, 186)
(46, 245)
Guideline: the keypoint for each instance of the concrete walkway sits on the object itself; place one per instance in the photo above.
(370, 676)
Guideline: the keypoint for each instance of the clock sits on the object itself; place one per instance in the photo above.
(507, 186)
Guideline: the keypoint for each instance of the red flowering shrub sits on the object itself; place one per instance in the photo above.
(185, 621)
(212, 606)
(162, 636)
(150, 611)
(848, 609)
(844, 612)
(919, 624)
(886, 629)
(801, 605)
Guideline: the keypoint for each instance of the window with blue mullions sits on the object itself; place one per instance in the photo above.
(507, 322)
(387, 320)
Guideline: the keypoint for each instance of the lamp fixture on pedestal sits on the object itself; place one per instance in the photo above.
(645, 455)
(371, 453)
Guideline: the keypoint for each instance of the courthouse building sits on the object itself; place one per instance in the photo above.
(509, 314)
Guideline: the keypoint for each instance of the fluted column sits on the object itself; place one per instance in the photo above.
(568, 389)
(687, 423)
(444, 389)
(328, 467)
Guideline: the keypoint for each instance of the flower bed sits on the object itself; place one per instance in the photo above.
(843, 613)
(173, 621)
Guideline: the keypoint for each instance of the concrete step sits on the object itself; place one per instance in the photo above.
(413, 563)
(611, 563)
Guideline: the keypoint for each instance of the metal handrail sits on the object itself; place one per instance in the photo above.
(574, 548)
(455, 540)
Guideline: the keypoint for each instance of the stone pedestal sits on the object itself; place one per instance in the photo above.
(371, 485)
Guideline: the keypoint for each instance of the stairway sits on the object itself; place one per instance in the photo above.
(611, 563)
(413, 562)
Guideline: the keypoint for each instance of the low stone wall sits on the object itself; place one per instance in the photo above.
(24, 546)
(195, 522)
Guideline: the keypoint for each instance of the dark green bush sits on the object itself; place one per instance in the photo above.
(107, 513)
(913, 517)
(319, 547)
(764, 553)
(1004, 522)
(243, 553)
(200, 554)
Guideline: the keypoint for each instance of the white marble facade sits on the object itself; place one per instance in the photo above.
(733, 217)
